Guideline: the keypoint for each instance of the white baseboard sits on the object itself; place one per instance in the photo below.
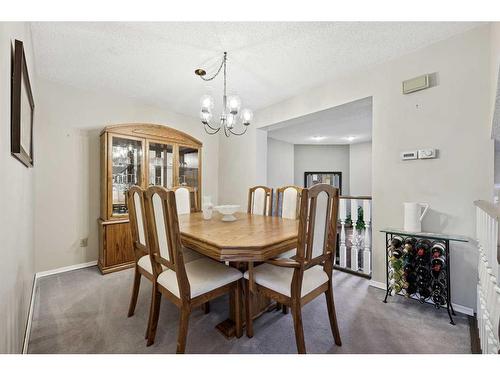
(458, 308)
(65, 269)
(32, 301)
(377, 284)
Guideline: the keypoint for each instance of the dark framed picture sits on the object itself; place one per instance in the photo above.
(331, 178)
(22, 108)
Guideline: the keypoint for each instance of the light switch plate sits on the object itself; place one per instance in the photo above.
(429, 153)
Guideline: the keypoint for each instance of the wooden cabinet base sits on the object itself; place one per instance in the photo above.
(104, 270)
(115, 246)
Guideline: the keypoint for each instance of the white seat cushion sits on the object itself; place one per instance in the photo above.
(279, 279)
(204, 275)
(145, 263)
(189, 255)
(288, 254)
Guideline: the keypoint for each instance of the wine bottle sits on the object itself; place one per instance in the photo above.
(409, 245)
(437, 265)
(424, 293)
(422, 248)
(395, 242)
(438, 250)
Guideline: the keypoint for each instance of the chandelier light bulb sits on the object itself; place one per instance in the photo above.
(207, 102)
(247, 116)
(234, 104)
(230, 121)
(205, 116)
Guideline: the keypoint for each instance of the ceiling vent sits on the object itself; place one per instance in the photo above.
(416, 84)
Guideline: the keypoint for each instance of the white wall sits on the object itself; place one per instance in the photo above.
(322, 158)
(67, 172)
(16, 204)
(360, 169)
(453, 117)
(242, 164)
(494, 67)
(279, 163)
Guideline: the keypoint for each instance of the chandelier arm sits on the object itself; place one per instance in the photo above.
(211, 127)
(225, 131)
(211, 132)
(243, 132)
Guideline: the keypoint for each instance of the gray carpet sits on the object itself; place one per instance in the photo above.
(84, 312)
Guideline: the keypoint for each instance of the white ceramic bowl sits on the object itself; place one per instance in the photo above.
(227, 211)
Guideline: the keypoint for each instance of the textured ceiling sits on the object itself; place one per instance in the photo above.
(267, 62)
(333, 125)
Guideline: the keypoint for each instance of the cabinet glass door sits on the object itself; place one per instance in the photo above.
(188, 166)
(160, 165)
(126, 170)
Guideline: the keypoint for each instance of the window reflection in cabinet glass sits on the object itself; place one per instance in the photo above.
(160, 165)
(126, 164)
(188, 166)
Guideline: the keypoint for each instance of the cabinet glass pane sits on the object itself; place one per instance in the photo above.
(127, 165)
(160, 165)
(188, 166)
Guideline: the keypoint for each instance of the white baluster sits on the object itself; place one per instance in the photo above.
(343, 216)
(367, 239)
(354, 247)
(488, 289)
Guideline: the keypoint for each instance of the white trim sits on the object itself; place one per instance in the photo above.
(377, 284)
(65, 269)
(458, 308)
(38, 275)
(30, 317)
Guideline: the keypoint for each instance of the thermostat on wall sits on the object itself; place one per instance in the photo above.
(409, 155)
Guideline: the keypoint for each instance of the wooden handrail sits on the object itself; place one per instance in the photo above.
(490, 208)
(364, 197)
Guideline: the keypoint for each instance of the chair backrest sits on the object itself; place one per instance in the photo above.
(259, 200)
(137, 216)
(183, 196)
(164, 235)
(288, 202)
(318, 224)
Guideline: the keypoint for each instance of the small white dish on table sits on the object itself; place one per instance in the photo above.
(227, 211)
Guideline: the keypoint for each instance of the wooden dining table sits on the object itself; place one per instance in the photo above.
(250, 238)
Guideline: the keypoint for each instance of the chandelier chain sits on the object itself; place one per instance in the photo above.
(223, 64)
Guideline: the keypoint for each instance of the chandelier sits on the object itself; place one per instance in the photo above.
(231, 108)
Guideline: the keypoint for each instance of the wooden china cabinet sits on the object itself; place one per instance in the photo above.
(143, 155)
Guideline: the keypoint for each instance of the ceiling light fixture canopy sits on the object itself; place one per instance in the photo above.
(231, 107)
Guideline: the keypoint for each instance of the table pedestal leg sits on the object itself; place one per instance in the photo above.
(260, 305)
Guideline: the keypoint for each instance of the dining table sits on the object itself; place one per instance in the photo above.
(249, 239)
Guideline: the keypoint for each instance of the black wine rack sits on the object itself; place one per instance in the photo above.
(418, 267)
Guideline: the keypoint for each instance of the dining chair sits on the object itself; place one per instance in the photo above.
(140, 241)
(260, 200)
(296, 282)
(287, 207)
(143, 267)
(186, 285)
(183, 198)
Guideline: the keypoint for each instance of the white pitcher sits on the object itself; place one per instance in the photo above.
(414, 216)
